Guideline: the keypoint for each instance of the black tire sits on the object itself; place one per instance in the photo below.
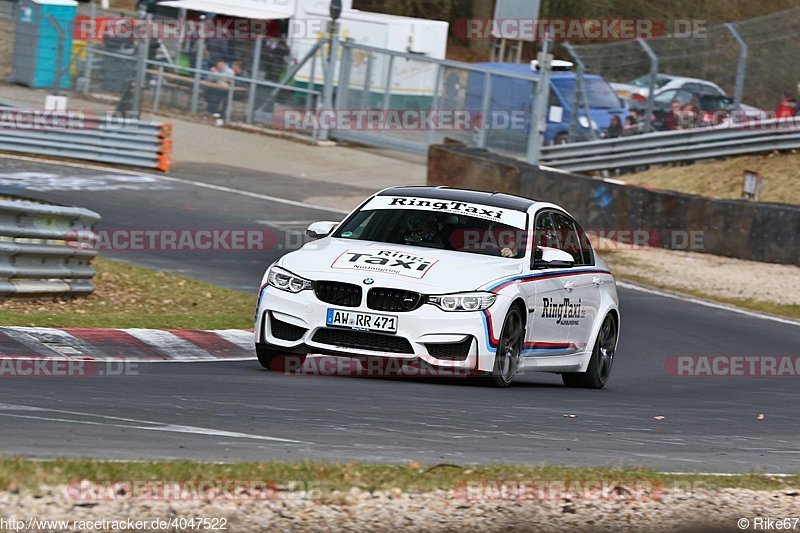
(276, 361)
(561, 138)
(509, 350)
(599, 369)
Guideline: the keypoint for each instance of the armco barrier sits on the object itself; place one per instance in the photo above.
(40, 252)
(675, 146)
(80, 135)
(734, 228)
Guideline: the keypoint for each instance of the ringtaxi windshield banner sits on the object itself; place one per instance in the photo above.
(510, 217)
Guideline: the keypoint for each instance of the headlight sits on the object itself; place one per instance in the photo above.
(464, 301)
(583, 121)
(286, 281)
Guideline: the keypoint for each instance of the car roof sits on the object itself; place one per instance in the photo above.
(494, 199)
(525, 69)
(685, 79)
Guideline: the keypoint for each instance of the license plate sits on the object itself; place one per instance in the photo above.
(362, 321)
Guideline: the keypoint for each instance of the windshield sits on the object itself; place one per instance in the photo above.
(598, 92)
(440, 230)
(644, 81)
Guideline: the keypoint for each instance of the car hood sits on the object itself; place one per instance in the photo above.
(427, 270)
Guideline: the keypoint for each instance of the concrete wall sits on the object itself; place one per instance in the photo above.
(733, 228)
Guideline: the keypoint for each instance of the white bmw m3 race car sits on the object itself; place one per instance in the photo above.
(488, 283)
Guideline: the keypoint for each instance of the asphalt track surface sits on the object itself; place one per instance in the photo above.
(236, 411)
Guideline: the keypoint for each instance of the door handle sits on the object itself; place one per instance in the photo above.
(597, 281)
(569, 285)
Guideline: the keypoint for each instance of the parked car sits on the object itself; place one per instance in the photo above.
(637, 89)
(510, 94)
(714, 110)
(666, 86)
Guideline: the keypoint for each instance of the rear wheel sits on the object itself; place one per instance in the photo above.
(509, 351)
(560, 139)
(278, 362)
(599, 368)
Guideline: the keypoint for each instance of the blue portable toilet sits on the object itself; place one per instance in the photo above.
(36, 44)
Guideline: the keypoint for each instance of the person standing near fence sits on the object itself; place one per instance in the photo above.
(217, 97)
(632, 127)
(671, 119)
(614, 128)
(787, 107)
(277, 54)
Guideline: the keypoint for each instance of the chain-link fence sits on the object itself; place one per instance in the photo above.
(222, 77)
(761, 52)
(166, 86)
(417, 101)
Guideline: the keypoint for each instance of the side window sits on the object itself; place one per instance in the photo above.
(568, 236)
(553, 99)
(685, 97)
(544, 234)
(666, 97)
(702, 88)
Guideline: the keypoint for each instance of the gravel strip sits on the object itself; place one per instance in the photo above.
(724, 277)
(435, 511)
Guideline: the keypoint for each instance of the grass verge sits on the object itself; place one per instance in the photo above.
(20, 473)
(723, 178)
(132, 296)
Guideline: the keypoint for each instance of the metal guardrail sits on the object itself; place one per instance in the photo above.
(40, 253)
(674, 146)
(85, 136)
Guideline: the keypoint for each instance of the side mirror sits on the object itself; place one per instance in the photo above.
(318, 230)
(552, 258)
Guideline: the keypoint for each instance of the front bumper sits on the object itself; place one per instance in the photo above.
(296, 323)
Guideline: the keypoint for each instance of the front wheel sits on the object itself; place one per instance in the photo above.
(599, 368)
(277, 362)
(509, 351)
